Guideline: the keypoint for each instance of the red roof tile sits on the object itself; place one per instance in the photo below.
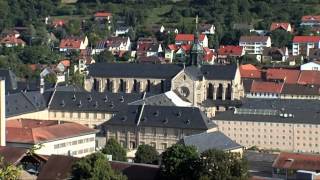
(65, 62)
(73, 43)
(310, 18)
(12, 40)
(297, 161)
(36, 131)
(268, 87)
(277, 25)
(12, 155)
(58, 22)
(186, 47)
(309, 77)
(306, 39)
(230, 50)
(250, 71)
(188, 37)
(289, 76)
(173, 47)
(102, 14)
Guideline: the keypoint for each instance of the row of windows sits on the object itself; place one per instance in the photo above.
(72, 143)
(154, 132)
(80, 115)
(266, 123)
(132, 145)
(82, 151)
(277, 143)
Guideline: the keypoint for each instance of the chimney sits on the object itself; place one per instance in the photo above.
(2, 113)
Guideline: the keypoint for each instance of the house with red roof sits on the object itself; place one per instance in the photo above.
(225, 53)
(12, 39)
(103, 16)
(289, 76)
(301, 45)
(189, 39)
(254, 44)
(249, 71)
(281, 25)
(265, 89)
(73, 43)
(296, 166)
(51, 137)
(148, 47)
(310, 20)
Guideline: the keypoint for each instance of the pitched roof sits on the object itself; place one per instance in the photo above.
(173, 47)
(249, 71)
(295, 161)
(66, 63)
(299, 89)
(103, 14)
(12, 155)
(306, 39)
(57, 167)
(254, 38)
(12, 40)
(213, 140)
(277, 25)
(266, 87)
(310, 18)
(73, 43)
(188, 37)
(309, 77)
(230, 50)
(162, 116)
(42, 131)
(290, 76)
(58, 22)
(219, 72)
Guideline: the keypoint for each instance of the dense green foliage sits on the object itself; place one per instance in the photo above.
(183, 162)
(114, 148)
(94, 167)
(8, 171)
(146, 154)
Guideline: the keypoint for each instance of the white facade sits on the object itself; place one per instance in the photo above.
(255, 47)
(78, 146)
(121, 31)
(296, 47)
(311, 66)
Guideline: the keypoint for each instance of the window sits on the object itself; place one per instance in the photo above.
(163, 146)
(176, 132)
(62, 145)
(80, 141)
(80, 151)
(142, 130)
(132, 145)
(56, 146)
(153, 144)
(74, 142)
(87, 115)
(122, 143)
(154, 131)
(165, 132)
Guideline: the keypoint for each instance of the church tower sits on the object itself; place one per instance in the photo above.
(196, 53)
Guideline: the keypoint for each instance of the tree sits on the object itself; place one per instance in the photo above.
(179, 162)
(95, 167)
(77, 79)
(217, 164)
(146, 154)
(281, 38)
(114, 148)
(8, 171)
(105, 56)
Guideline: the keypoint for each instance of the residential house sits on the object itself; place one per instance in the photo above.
(208, 29)
(301, 45)
(148, 47)
(310, 20)
(281, 25)
(73, 43)
(296, 166)
(227, 53)
(168, 30)
(249, 71)
(51, 137)
(310, 66)
(83, 63)
(122, 30)
(103, 17)
(12, 39)
(209, 56)
(274, 54)
(184, 39)
(254, 44)
(183, 52)
(170, 52)
(115, 45)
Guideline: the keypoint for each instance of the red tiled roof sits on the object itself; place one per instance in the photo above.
(12, 40)
(186, 47)
(230, 50)
(268, 87)
(310, 18)
(58, 22)
(289, 76)
(65, 62)
(188, 37)
(36, 131)
(209, 54)
(295, 161)
(12, 155)
(73, 43)
(277, 25)
(250, 71)
(306, 39)
(102, 14)
(173, 47)
(309, 77)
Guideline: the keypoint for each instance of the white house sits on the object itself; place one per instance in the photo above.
(312, 66)
(73, 43)
(254, 44)
(184, 39)
(121, 30)
(51, 137)
(303, 44)
(208, 29)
